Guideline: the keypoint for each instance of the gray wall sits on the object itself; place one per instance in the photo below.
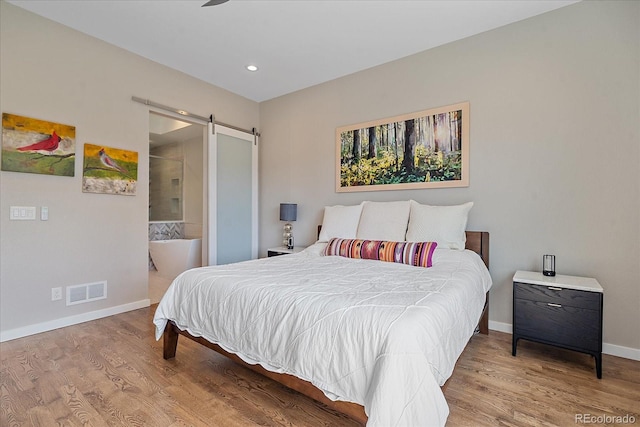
(53, 73)
(554, 147)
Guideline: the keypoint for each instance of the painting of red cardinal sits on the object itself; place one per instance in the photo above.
(110, 163)
(32, 145)
(50, 144)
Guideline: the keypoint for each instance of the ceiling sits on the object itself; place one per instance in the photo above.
(295, 43)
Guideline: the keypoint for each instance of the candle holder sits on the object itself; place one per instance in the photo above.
(549, 265)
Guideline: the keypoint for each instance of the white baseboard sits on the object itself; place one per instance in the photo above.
(500, 327)
(620, 351)
(13, 334)
(612, 349)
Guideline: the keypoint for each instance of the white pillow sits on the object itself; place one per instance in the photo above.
(445, 225)
(340, 221)
(384, 221)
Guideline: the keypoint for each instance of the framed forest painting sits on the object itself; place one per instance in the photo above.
(427, 149)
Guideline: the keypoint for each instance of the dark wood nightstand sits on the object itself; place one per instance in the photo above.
(565, 311)
(283, 251)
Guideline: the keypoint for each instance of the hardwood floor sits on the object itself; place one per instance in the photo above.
(541, 386)
(110, 372)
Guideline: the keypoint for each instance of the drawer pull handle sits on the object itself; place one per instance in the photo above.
(550, 304)
(551, 288)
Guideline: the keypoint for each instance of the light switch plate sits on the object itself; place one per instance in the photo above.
(22, 213)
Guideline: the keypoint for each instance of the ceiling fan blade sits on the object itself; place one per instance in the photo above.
(214, 2)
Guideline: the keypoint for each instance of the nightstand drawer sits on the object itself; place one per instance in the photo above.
(558, 324)
(557, 295)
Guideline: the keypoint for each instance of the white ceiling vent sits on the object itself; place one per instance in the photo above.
(78, 294)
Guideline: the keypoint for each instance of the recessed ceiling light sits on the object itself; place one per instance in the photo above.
(252, 68)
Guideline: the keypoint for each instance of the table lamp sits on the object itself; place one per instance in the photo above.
(288, 212)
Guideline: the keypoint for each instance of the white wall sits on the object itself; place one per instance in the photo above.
(555, 108)
(53, 73)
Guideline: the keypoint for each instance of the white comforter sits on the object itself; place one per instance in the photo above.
(380, 334)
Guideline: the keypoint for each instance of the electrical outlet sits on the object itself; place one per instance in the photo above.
(56, 294)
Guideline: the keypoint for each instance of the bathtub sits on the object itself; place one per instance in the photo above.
(172, 257)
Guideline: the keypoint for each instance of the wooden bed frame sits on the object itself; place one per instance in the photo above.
(477, 241)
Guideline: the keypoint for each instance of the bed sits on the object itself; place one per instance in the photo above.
(374, 340)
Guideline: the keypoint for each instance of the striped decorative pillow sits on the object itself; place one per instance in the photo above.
(412, 253)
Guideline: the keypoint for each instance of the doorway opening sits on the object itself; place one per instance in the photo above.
(176, 193)
(212, 198)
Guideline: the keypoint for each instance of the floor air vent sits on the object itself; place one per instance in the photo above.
(86, 293)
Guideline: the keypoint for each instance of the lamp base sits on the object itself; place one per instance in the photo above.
(287, 236)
